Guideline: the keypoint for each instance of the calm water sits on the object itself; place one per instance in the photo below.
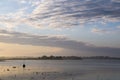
(61, 70)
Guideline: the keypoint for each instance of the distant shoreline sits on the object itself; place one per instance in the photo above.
(59, 58)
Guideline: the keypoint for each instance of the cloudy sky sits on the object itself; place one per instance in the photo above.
(60, 27)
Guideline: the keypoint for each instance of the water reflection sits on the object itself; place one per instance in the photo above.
(60, 70)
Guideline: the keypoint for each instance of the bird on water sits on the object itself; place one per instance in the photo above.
(24, 65)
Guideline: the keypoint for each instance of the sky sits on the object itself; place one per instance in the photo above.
(60, 27)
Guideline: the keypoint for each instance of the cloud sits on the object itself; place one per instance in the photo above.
(98, 30)
(12, 20)
(69, 13)
(118, 27)
(105, 31)
(118, 1)
(56, 41)
(63, 13)
(23, 1)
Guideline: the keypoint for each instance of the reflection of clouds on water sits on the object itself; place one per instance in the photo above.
(60, 76)
(35, 75)
(60, 70)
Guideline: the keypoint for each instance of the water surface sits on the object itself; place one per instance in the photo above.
(86, 69)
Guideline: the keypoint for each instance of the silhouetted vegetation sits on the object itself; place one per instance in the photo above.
(102, 57)
(43, 58)
(58, 58)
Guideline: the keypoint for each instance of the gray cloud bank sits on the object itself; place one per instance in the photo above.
(56, 41)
